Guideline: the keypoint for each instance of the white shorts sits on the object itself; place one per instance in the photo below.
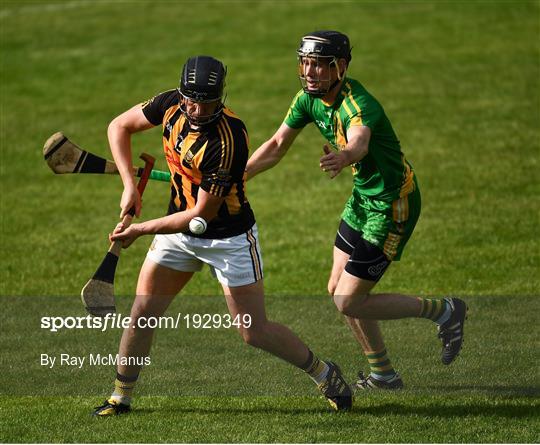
(234, 261)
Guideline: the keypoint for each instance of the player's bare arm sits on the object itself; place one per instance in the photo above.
(207, 208)
(355, 150)
(272, 151)
(119, 133)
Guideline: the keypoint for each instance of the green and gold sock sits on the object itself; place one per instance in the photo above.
(380, 366)
(434, 309)
(123, 388)
(317, 369)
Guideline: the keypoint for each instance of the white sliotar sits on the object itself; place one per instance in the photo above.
(197, 225)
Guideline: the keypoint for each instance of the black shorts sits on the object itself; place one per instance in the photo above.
(367, 261)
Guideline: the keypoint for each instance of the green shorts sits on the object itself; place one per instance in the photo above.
(388, 225)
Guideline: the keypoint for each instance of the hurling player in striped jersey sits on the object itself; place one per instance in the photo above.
(379, 217)
(206, 148)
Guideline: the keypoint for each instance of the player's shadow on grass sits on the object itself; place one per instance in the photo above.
(502, 410)
(324, 409)
(496, 390)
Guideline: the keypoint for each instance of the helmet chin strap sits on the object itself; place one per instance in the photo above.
(331, 87)
(340, 77)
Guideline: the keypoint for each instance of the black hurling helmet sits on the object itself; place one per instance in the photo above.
(327, 45)
(202, 80)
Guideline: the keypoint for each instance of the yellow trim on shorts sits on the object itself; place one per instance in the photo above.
(400, 209)
(391, 244)
(408, 182)
(400, 214)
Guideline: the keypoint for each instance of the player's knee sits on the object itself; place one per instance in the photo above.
(141, 313)
(256, 336)
(342, 303)
(141, 324)
(252, 338)
(349, 305)
(140, 309)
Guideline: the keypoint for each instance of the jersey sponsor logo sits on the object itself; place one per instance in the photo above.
(375, 270)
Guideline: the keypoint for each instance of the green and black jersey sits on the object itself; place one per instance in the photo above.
(383, 174)
(212, 158)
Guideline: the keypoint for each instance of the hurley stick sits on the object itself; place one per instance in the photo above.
(98, 293)
(64, 156)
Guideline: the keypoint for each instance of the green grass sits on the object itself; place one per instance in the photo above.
(380, 419)
(209, 387)
(459, 81)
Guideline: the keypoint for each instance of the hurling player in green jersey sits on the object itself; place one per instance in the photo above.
(379, 217)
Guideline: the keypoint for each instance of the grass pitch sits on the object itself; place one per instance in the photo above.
(459, 82)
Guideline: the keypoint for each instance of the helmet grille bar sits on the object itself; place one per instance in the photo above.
(327, 46)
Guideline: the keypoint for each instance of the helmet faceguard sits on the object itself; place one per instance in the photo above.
(202, 81)
(324, 47)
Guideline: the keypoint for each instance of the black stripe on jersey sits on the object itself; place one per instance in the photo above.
(177, 192)
(194, 191)
(154, 109)
(227, 161)
(223, 211)
(240, 191)
(215, 189)
(172, 206)
(194, 149)
(183, 134)
(225, 145)
(170, 123)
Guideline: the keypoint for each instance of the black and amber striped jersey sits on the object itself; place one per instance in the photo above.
(213, 158)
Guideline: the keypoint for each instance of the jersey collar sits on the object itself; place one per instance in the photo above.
(339, 96)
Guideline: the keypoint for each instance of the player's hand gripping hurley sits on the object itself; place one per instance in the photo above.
(98, 294)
